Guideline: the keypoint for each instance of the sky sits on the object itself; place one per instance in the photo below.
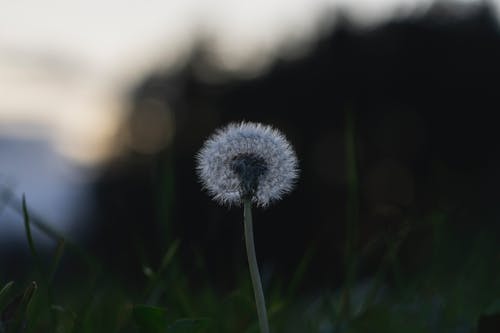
(66, 68)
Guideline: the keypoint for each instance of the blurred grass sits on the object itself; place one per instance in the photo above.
(352, 214)
(453, 287)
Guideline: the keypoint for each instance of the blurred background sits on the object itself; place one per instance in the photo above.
(391, 106)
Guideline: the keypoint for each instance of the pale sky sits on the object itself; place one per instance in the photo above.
(65, 66)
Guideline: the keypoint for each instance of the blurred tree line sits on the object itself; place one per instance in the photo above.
(423, 95)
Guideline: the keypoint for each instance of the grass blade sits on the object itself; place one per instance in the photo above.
(29, 236)
(15, 313)
(57, 258)
(4, 293)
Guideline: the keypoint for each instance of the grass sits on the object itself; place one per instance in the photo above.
(453, 285)
(453, 290)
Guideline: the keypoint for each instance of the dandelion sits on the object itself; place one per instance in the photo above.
(248, 163)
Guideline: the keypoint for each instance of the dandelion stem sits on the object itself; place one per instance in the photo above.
(254, 268)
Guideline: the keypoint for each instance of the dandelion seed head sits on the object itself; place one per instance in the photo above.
(247, 161)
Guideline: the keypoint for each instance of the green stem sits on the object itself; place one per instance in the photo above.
(254, 268)
(38, 263)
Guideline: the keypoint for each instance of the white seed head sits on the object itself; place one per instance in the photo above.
(247, 160)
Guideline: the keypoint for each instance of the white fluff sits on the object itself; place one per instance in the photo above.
(218, 178)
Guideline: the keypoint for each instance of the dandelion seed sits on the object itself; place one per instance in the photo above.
(247, 161)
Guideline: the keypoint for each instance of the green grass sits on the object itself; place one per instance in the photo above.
(454, 288)
(450, 283)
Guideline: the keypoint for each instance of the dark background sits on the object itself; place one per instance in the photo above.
(393, 225)
(423, 93)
